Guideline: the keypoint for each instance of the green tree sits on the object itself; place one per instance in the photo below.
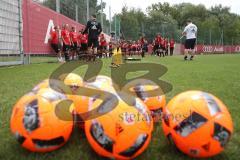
(132, 22)
(160, 20)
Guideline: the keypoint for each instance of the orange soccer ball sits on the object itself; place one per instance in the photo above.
(197, 123)
(150, 93)
(122, 133)
(35, 122)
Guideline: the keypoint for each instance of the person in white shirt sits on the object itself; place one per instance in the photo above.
(190, 32)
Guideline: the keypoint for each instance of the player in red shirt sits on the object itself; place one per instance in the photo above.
(158, 38)
(110, 49)
(154, 47)
(65, 35)
(129, 48)
(166, 46)
(133, 48)
(112, 43)
(141, 40)
(172, 43)
(83, 41)
(150, 47)
(55, 42)
(103, 45)
(157, 45)
(144, 46)
(162, 47)
(138, 44)
(74, 42)
(124, 47)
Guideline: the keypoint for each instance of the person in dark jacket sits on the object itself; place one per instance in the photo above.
(93, 29)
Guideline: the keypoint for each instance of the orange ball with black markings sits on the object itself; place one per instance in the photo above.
(121, 131)
(197, 123)
(150, 93)
(41, 122)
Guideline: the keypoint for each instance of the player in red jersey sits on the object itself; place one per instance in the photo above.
(133, 48)
(124, 48)
(110, 49)
(172, 45)
(83, 40)
(74, 42)
(139, 47)
(129, 48)
(65, 35)
(166, 46)
(55, 42)
(144, 45)
(141, 40)
(103, 46)
(154, 47)
(157, 44)
(112, 42)
(162, 48)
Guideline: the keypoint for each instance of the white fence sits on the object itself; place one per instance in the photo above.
(11, 32)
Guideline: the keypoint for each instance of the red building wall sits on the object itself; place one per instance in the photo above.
(35, 25)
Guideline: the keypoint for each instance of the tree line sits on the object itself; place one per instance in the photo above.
(216, 25)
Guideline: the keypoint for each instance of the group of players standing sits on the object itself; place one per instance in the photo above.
(91, 43)
(130, 48)
(76, 45)
(162, 46)
(68, 42)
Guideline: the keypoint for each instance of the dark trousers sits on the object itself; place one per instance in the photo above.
(66, 49)
(166, 52)
(171, 51)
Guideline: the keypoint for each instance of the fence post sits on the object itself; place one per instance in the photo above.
(76, 13)
(110, 20)
(87, 10)
(20, 28)
(58, 6)
(102, 15)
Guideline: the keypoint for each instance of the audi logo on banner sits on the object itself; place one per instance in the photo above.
(213, 49)
(207, 49)
(219, 49)
(216, 49)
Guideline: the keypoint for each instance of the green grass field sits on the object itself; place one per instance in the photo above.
(217, 74)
